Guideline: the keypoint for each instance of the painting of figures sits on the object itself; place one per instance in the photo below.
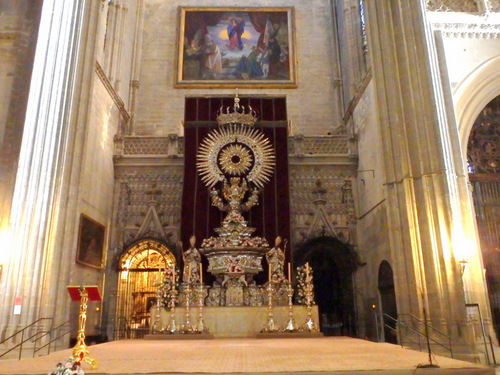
(90, 242)
(236, 47)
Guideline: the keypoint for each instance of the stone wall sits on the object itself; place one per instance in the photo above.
(19, 22)
(311, 107)
(372, 228)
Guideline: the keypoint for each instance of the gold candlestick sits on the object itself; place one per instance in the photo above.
(172, 324)
(290, 326)
(80, 350)
(201, 327)
(270, 325)
(157, 319)
(187, 327)
(309, 324)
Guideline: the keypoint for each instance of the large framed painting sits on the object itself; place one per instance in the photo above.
(91, 237)
(236, 47)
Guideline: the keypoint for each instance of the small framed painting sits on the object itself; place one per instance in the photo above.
(236, 47)
(91, 236)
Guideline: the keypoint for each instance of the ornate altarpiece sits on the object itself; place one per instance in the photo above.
(272, 216)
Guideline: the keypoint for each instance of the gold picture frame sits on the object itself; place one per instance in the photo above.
(235, 47)
(91, 237)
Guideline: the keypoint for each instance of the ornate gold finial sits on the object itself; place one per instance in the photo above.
(238, 114)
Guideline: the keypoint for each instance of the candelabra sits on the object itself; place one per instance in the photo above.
(201, 327)
(187, 327)
(172, 325)
(309, 324)
(290, 326)
(270, 326)
(80, 350)
(157, 319)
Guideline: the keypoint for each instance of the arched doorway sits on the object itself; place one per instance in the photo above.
(388, 301)
(139, 277)
(483, 162)
(333, 263)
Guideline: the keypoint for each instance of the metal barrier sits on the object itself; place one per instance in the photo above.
(35, 337)
(63, 326)
(402, 337)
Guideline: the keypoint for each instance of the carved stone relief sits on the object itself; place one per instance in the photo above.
(149, 201)
(149, 205)
(467, 6)
(322, 203)
(325, 145)
(494, 5)
(468, 30)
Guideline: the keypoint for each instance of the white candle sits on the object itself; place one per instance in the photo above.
(289, 273)
(201, 274)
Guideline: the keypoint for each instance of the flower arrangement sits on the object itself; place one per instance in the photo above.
(70, 367)
(170, 280)
(304, 285)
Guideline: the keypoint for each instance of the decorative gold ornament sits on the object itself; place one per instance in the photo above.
(235, 159)
(238, 114)
(259, 148)
(80, 350)
(240, 160)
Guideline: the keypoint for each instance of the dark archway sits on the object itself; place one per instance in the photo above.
(333, 263)
(388, 300)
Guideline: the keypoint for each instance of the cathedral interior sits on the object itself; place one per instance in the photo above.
(383, 118)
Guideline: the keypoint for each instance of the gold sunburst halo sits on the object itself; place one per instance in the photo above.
(209, 154)
(235, 159)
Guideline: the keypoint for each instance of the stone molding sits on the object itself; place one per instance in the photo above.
(468, 30)
(466, 6)
(299, 146)
(109, 87)
(357, 97)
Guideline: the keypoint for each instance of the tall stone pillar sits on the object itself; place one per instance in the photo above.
(41, 251)
(425, 186)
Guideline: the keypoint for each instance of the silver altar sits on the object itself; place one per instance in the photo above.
(235, 161)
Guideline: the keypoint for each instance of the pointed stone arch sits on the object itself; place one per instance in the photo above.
(147, 254)
(472, 95)
(334, 263)
(140, 275)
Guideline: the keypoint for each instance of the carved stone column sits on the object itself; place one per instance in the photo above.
(425, 183)
(41, 246)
